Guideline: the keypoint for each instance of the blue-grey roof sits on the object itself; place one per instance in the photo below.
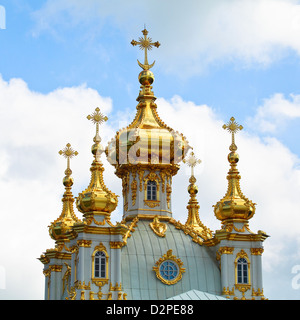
(144, 248)
(197, 295)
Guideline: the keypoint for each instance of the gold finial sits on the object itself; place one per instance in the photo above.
(192, 161)
(234, 205)
(193, 221)
(233, 127)
(59, 229)
(68, 153)
(96, 199)
(146, 44)
(98, 118)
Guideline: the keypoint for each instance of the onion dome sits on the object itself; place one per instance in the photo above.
(147, 140)
(96, 198)
(234, 205)
(60, 228)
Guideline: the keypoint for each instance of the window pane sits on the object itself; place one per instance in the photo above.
(153, 194)
(151, 190)
(242, 270)
(100, 265)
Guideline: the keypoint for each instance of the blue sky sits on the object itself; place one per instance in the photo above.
(217, 59)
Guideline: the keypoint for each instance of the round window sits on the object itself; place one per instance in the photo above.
(169, 270)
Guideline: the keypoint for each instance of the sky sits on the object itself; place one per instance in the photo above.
(60, 59)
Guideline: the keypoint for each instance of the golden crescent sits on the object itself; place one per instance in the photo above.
(146, 66)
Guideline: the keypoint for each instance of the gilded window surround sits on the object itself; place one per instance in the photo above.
(98, 280)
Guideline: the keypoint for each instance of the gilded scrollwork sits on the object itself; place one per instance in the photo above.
(133, 191)
(169, 191)
(152, 203)
(130, 229)
(159, 228)
(141, 175)
(152, 176)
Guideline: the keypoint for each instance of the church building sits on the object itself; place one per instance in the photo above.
(149, 255)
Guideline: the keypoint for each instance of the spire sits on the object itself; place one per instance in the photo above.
(59, 228)
(234, 205)
(193, 220)
(97, 199)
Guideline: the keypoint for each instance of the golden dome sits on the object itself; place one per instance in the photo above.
(96, 198)
(147, 140)
(234, 204)
(60, 228)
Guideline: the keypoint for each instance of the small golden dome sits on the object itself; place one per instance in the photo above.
(61, 227)
(96, 198)
(234, 204)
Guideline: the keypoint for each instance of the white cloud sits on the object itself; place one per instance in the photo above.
(193, 35)
(276, 112)
(35, 126)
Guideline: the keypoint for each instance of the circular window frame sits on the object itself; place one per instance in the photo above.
(170, 271)
(169, 257)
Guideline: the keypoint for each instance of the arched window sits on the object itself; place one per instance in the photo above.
(242, 271)
(100, 265)
(151, 190)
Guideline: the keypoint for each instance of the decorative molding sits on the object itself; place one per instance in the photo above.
(227, 292)
(133, 189)
(169, 191)
(226, 250)
(177, 261)
(117, 287)
(141, 175)
(258, 293)
(159, 228)
(116, 244)
(130, 229)
(196, 236)
(55, 268)
(243, 288)
(163, 178)
(242, 254)
(82, 286)
(152, 203)
(84, 243)
(257, 251)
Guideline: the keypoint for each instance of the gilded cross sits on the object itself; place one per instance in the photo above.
(233, 127)
(146, 44)
(192, 161)
(97, 117)
(68, 153)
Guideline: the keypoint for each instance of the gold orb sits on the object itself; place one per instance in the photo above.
(192, 189)
(146, 77)
(97, 149)
(233, 157)
(68, 181)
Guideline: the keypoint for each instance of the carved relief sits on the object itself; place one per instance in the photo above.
(141, 175)
(169, 191)
(133, 191)
(158, 227)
